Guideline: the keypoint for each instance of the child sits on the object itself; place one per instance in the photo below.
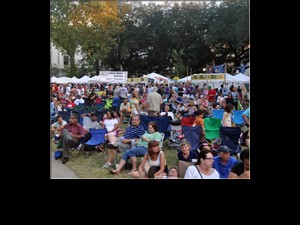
(227, 120)
(199, 121)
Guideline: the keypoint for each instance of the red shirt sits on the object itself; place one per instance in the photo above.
(76, 129)
(211, 95)
(70, 105)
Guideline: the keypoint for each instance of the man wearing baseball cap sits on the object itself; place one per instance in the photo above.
(90, 121)
(223, 162)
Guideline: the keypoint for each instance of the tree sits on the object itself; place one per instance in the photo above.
(178, 64)
(231, 16)
(64, 35)
(99, 23)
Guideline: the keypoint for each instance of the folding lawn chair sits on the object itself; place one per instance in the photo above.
(237, 117)
(230, 136)
(163, 123)
(212, 128)
(192, 135)
(98, 137)
(217, 113)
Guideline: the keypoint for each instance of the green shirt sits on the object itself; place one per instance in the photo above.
(154, 136)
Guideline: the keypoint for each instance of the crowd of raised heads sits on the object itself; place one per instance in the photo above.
(174, 100)
(183, 99)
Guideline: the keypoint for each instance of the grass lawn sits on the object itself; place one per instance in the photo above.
(90, 167)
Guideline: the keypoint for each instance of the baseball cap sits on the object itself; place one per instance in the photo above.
(224, 149)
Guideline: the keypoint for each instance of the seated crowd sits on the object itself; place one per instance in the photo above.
(178, 101)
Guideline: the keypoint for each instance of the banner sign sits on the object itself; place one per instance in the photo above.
(208, 76)
(138, 80)
(115, 76)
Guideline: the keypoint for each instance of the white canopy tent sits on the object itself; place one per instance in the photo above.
(53, 79)
(159, 78)
(75, 80)
(241, 78)
(83, 80)
(64, 80)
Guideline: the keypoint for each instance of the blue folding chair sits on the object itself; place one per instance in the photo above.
(217, 113)
(231, 136)
(163, 123)
(192, 135)
(65, 115)
(237, 117)
(98, 137)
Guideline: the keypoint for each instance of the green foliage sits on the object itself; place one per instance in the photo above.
(177, 59)
(90, 25)
(141, 38)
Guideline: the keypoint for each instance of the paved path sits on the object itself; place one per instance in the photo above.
(59, 170)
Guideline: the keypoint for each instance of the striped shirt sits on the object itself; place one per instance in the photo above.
(134, 132)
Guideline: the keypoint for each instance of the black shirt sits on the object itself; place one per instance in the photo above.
(238, 168)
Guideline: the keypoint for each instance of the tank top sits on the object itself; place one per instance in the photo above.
(227, 120)
(154, 163)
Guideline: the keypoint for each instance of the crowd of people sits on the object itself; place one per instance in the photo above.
(174, 100)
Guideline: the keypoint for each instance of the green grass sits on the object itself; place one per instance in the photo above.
(90, 167)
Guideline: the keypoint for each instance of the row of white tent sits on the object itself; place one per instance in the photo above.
(238, 78)
(100, 78)
(242, 78)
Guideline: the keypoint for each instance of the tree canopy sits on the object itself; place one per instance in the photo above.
(139, 38)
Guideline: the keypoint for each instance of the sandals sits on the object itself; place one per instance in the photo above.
(114, 172)
(131, 172)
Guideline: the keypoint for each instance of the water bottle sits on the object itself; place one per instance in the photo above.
(133, 145)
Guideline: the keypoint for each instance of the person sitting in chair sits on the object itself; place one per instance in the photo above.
(71, 134)
(141, 149)
(56, 128)
(135, 131)
(90, 121)
(125, 109)
(167, 112)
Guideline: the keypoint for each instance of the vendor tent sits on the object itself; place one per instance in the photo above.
(159, 78)
(241, 78)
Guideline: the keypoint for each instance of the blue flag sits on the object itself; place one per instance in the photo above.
(219, 68)
(243, 68)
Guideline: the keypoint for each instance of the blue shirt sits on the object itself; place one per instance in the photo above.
(247, 112)
(192, 155)
(223, 169)
(134, 132)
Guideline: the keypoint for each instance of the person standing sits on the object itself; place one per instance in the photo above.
(154, 101)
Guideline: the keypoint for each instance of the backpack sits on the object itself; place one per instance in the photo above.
(58, 154)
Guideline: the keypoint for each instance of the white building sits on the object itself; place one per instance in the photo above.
(59, 61)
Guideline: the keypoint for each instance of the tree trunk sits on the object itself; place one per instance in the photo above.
(97, 66)
(72, 66)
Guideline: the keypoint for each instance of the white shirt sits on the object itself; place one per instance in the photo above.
(192, 173)
(77, 101)
(110, 124)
